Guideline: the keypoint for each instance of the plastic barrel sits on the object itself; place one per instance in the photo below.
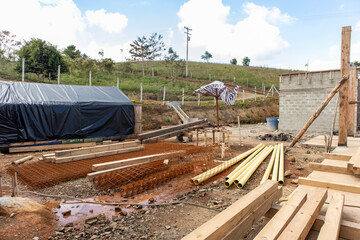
(272, 123)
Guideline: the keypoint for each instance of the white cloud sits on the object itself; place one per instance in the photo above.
(108, 22)
(110, 50)
(255, 36)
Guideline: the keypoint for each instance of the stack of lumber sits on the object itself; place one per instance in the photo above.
(57, 145)
(109, 167)
(92, 152)
(161, 134)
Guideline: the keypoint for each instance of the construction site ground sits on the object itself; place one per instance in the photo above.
(182, 207)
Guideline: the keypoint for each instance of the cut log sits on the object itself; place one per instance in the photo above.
(300, 225)
(22, 160)
(317, 113)
(225, 221)
(98, 154)
(277, 224)
(142, 159)
(331, 228)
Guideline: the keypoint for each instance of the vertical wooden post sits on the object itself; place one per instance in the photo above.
(223, 135)
(49, 77)
(90, 79)
(217, 110)
(344, 89)
(117, 82)
(141, 92)
(59, 74)
(183, 97)
(23, 70)
(197, 137)
(16, 184)
(164, 95)
(13, 186)
(191, 75)
(205, 136)
(352, 94)
(213, 137)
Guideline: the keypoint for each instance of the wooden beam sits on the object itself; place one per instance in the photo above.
(347, 187)
(97, 154)
(50, 147)
(301, 224)
(352, 94)
(348, 230)
(331, 228)
(142, 159)
(22, 160)
(225, 221)
(98, 148)
(344, 89)
(244, 226)
(277, 224)
(335, 156)
(334, 168)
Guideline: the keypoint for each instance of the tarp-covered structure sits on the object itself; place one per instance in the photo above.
(35, 112)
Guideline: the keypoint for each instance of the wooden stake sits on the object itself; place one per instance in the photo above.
(16, 184)
(333, 126)
(317, 113)
(326, 143)
(213, 137)
(13, 186)
(197, 137)
(344, 90)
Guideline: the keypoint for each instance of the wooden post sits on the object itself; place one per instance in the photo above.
(13, 186)
(344, 89)
(49, 77)
(317, 113)
(326, 143)
(16, 184)
(141, 92)
(23, 70)
(117, 82)
(333, 125)
(352, 94)
(90, 78)
(205, 136)
(164, 95)
(191, 75)
(59, 74)
(197, 137)
(213, 137)
(183, 97)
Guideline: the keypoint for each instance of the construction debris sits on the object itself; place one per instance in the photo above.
(276, 137)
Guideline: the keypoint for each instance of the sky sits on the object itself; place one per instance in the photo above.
(277, 33)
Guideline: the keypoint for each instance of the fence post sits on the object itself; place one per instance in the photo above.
(191, 75)
(90, 78)
(59, 74)
(255, 93)
(117, 82)
(198, 99)
(23, 70)
(164, 95)
(272, 90)
(49, 77)
(141, 92)
(183, 97)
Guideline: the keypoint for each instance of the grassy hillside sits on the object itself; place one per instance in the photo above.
(130, 77)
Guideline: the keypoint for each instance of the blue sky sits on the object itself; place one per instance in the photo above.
(282, 34)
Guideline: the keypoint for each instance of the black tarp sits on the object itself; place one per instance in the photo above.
(35, 112)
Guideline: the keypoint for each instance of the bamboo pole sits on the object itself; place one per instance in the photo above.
(230, 179)
(212, 172)
(317, 113)
(275, 171)
(270, 166)
(281, 164)
(253, 168)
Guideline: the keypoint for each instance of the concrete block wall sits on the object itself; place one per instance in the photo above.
(301, 95)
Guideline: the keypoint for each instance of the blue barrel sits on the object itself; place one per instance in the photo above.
(272, 123)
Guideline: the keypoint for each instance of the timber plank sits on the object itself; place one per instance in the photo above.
(331, 228)
(98, 148)
(300, 225)
(164, 136)
(336, 181)
(91, 176)
(98, 154)
(277, 224)
(226, 220)
(50, 147)
(142, 159)
(348, 229)
(333, 166)
(334, 156)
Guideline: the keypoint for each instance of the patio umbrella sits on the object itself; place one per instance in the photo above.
(217, 89)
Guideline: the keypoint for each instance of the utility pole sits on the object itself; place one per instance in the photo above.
(187, 48)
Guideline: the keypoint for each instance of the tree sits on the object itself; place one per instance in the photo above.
(72, 52)
(233, 61)
(156, 46)
(356, 63)
(8, 45)
(175, 64)
(108, 65)
(140, 50)
(246, 61)
(206, 56)
(41, 58)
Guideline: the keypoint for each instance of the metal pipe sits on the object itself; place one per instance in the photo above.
(281, 165)
(275, 171)
(241, 168)
(258, 149)
(250, 171)
(270, 166)
(212, 172)
(250, 165)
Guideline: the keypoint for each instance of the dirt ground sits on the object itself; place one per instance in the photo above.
(169, 211)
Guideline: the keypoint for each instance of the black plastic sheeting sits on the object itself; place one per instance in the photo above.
(36, 112)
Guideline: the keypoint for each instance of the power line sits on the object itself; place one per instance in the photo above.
(187, 49)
